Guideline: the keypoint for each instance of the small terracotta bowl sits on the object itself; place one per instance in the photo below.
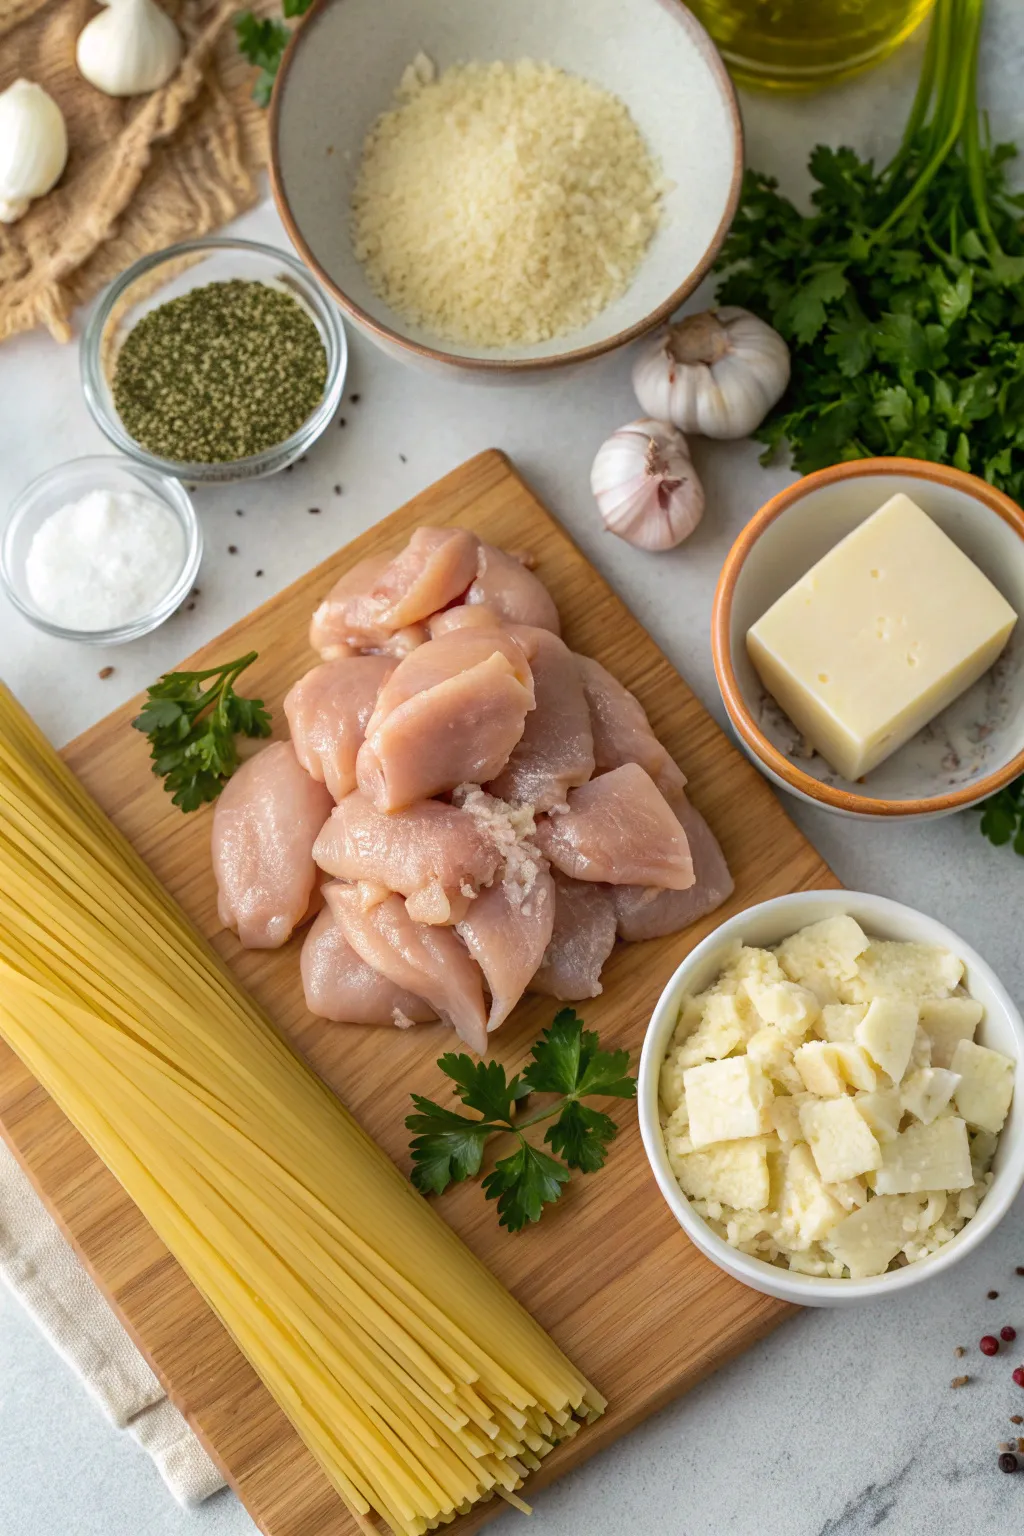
(970, 750)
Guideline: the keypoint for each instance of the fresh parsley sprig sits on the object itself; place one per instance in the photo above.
(263, 40)
(1002, 816)
(192, 720)
(900, 292)
(567, 1061)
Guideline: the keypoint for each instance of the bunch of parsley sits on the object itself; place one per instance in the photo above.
(566, 1061)
(901, 294)
(263, 40)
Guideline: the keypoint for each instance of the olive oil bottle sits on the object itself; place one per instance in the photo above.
(800, 44)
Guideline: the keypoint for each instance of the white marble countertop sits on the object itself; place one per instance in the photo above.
(841, 1422)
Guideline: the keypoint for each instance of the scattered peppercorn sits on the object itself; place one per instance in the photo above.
(1018, 1375)
(354, 399)
(989, 1345)
(105, 672)
(189, 607)
(959, 1351)
(341, 421)
(239, 512)
(220, 373)
(1016, 1418)
(403, 458)
(259, 572)
(337, 490)
(960, 1381)
(1008, 1335)
(1007, 1462)
(993, 1295)
(195, 591)
(1020, 1269)
(314, 511)
(232, 549)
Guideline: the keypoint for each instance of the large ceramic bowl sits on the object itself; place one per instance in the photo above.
(340, 73)
(968, 751)
(769, 923)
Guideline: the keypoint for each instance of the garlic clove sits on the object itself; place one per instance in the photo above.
(33, 147)
(717, 373)
(130, 48)
(646, 487)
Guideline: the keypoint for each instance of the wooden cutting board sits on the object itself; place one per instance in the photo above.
(608, 1272)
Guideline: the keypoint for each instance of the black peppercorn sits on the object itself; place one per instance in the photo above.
(1008, 1462)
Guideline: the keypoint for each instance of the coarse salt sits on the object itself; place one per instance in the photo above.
(104, 560)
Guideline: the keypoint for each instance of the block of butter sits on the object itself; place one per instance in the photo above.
(886, 630)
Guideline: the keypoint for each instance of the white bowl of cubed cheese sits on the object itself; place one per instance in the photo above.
(826, 1097)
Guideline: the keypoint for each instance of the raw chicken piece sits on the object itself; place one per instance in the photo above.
(556, 750)
(341, 987)
(264, 827)
(619, 828)
(622, 731)
(430, 852)
(327, 711)
(515, 594)
(430, 962)
(582, 940)
(463, 617)
(507, 929)
(378, 597)
(449, 714)
(649, 913)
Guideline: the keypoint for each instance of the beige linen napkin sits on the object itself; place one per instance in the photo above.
(43, 1272)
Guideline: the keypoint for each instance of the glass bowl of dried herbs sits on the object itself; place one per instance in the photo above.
(214, 360)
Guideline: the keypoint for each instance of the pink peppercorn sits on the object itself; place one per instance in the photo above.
(1008, 1335)
(989, 1345)
(1018, 1375)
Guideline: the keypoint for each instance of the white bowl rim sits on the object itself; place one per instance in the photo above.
(787, 1285)
(512, 365)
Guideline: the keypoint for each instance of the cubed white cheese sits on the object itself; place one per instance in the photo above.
(926, 1093)
(887, 1033)
(851, 1193)
(840, 1140)
(839, 1020)
(883, 1112)
(926, 1157)
(806, 1209)
(726, 1100)
(889, 627)
(818, 1065)
(855, 1066)
(747, 963)
(769, 1050)
(824, 955)
(728, 1020)
(986, 1085)
(670, 1081)
(947, 1021)
(868, 1240)
(735, 1173)
(920, 1052)
(789, 1006)
(890, 968)
(784, 1116)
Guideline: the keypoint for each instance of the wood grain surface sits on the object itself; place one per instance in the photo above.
(607, 1272)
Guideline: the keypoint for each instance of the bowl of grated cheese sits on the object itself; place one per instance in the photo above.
(826, 1097)
(496, 191)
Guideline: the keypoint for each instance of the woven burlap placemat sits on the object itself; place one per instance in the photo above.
(141, 173)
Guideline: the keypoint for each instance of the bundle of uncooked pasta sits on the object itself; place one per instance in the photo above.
(416, 1381)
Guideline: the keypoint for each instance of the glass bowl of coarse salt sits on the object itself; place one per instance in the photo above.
(214, 361)
(100, 550)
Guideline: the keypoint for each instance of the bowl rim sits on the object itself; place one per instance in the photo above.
(255, 465)
(721, 646)
(165, 488)
(771, 1279)
(387, 335)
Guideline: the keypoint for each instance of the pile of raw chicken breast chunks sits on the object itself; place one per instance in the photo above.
(492, 809)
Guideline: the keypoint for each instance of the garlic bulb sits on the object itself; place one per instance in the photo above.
(33, 147)
(718, 373)
(129, 48)
(646, 487)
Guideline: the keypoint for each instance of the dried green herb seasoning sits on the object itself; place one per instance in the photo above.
(221, 373)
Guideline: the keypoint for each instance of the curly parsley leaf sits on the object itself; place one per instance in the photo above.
(193, 721)
(1002, 816)
(263, 40)
(566, 1062)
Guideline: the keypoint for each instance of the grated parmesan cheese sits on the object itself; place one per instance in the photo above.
(500, 204)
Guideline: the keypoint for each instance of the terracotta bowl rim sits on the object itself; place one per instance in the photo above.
(514, 365)
(721, 617)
